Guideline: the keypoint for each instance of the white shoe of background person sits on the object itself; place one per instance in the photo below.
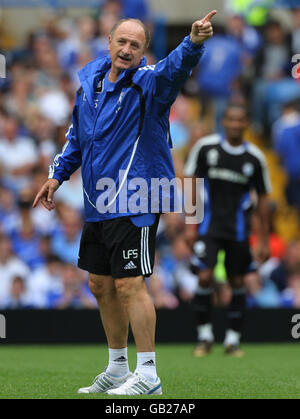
(138, 385)
(104, 382)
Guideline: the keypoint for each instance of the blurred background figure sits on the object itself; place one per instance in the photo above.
(75, 292)
(46, 282)
(274, 86)
(10, 267)
(18, 297)
(18, 155)
(66, 240)
(255, 12)
(286, 142)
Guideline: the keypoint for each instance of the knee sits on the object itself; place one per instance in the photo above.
(96, 288)
(206, 278)
(99, 288)
(236, 282)
(128, 288)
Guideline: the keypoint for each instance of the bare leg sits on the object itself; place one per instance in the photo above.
(140, 309)
(114, 317)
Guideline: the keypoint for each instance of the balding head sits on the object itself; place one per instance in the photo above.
(138, 22)
(128, 41)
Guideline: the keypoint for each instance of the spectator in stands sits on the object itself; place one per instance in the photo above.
(10, 267)
(60, 136)
(86, 30)
(112, 6)
(255, 12)
(70, 193)
(55, 105)
(247, 36)
(46, 223)
(218, 72)
(291, 4)
(18, 155)
(288, 266)
(172, 280)
(8, 209)
(261, 291)
(20, 97)
(46, 282)
(185, 283)
(79, 43)
(47, 65)
(26, 239)
(75, 293)
(179, 121)
(42, 131)
(286, 141)
(173, 260)
(66, 241)
(106, 21)
(170, 226)
(274, 57)
(161, 293)
(274, 86)
(198, 130)
(296, 31)
(18, 297)
(291, 295)
(276, 243)
(138, 9)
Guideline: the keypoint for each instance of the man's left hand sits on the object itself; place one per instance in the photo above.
(202, 29)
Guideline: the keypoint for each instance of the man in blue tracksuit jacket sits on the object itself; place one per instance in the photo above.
(120, 138)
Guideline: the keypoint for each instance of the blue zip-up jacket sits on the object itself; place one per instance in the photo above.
(126, 130)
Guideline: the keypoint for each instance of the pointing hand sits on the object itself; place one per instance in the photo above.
(202, 29)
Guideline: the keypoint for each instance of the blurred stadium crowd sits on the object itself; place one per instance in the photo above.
(38, 249)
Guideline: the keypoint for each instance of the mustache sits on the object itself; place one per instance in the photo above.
(125, 56)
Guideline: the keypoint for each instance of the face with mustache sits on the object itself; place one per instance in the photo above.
(126, 46)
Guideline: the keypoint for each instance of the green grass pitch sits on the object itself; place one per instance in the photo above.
(267, 371)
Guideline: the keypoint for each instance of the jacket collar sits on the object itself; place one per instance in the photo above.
(93, 72)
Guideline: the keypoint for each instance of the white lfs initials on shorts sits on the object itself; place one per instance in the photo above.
(132, 253)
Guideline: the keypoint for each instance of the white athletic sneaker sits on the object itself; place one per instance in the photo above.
(137, 385)
(104, 382)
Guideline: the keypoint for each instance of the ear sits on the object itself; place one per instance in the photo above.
(109, 42)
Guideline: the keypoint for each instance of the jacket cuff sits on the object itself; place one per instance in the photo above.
(57, 177)
(192, 46)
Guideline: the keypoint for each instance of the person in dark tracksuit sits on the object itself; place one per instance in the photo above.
(120, 132)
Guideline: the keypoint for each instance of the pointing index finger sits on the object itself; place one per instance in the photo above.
(209, 16)
(37, 198)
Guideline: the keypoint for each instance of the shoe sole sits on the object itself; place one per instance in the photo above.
(134, 395)
(155, 393)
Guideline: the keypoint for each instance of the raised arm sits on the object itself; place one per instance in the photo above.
(172, 72)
